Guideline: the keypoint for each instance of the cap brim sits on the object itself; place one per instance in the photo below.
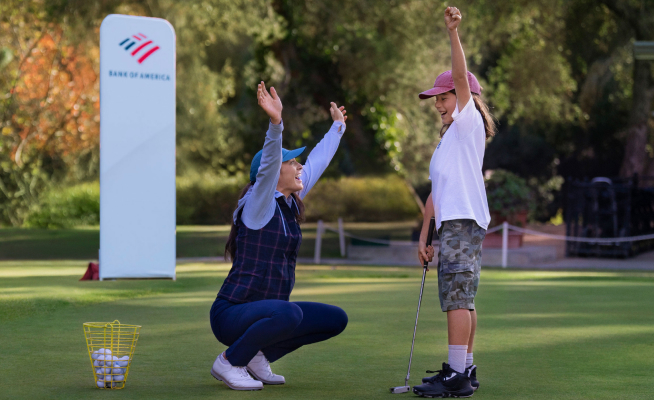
(433, 92)
(293, 154)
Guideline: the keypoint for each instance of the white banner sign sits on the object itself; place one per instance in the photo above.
(137, 148)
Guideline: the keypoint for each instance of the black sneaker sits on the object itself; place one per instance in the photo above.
(447, 383)
(471, 371)
(434, 378)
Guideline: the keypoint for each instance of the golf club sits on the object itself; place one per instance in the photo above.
(406, 388)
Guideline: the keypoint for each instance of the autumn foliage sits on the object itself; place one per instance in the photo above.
(50, 110)
(57, 103)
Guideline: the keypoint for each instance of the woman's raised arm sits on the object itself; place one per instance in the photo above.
(322, 154)
(260, 205)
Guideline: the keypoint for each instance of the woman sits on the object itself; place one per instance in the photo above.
(252, 313)
(458, 201)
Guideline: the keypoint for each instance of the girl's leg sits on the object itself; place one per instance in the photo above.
(249, 327)
(458, 280)
(473, 328)
(458, 334)
(320, 322)
(458, 327)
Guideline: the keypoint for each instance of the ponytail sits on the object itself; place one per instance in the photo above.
(489, 121)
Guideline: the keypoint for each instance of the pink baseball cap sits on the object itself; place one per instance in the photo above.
(445, 83)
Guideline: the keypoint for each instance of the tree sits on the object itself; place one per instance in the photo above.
(637, 17)
(50, 110)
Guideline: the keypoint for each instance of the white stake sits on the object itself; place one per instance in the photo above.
(505, 242)
(341, 236)
(319, 230)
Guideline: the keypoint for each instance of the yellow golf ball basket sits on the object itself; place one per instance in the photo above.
(111, 348)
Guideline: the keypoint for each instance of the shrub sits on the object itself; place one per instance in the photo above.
(207, 199)
(369, 199)
(66, 207)
(546, 200)
(507, 193)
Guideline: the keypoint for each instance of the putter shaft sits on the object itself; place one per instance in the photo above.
(430, 236)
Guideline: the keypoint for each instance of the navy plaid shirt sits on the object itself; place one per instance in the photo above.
(264, 263)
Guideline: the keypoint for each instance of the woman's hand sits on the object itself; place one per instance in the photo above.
(338, 113)
(452, 18)
(270, 102)
(425, 253)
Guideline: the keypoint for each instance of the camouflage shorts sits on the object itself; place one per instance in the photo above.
(459, 263)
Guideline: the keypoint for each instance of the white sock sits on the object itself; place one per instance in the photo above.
(456, 357)
(223, 359)
(468, 359)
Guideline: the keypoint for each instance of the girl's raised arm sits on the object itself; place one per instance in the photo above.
(459, 68)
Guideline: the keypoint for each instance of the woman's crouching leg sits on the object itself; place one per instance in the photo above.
(319, 322)
(250, 327)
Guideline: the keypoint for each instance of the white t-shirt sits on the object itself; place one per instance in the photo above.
(457, 183)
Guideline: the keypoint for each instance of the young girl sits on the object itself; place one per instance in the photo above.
(252, 313)
(458, 200)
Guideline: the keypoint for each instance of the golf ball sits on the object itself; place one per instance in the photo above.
(102, 352)
(100, 384)
(118, 378)
(123, 361)
(117, 369)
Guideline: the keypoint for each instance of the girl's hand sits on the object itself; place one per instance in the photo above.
(452, 18)
(338, 113)
(270, 102)
(425, 253)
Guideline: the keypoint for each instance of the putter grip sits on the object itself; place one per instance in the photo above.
(430, 235)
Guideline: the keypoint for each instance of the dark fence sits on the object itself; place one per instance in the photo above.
(609, 208)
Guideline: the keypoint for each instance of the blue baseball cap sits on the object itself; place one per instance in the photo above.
(286, 156)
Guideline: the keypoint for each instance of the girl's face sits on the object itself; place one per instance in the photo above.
(445, 105)
(289, 177)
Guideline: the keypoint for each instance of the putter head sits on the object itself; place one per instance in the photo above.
(400, 389)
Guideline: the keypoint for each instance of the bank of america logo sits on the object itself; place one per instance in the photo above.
(144, 46)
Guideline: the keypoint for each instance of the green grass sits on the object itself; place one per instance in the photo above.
(192, 241)
(541, 335)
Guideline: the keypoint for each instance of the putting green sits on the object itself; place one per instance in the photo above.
(541, 335)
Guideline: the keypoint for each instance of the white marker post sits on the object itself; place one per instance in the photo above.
(137, 148)
(505, 243)
(319, 231)
(341, 237)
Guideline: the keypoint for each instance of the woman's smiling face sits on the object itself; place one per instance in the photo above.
(289, 177)
(445, 105)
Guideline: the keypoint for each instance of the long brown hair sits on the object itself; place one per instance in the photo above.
(230, 246)
(489, 121)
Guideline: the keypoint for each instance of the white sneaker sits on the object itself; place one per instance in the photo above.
(236, 378)
(260, 369)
